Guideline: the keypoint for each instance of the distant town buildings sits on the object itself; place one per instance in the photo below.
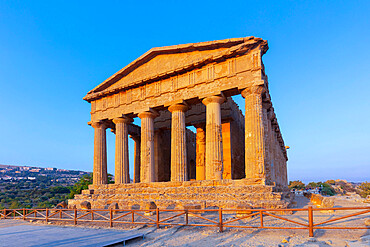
(62, 176)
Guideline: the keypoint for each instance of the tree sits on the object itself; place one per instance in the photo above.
(296, 185)
(364, 189)
(15, 205)
(45, 204)
(327, 190)
(83, 184)
(312, 185)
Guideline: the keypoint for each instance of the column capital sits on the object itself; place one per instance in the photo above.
(122, 119)
(148, 114)
(178, 107)
(253, 90)
(98, 124)
(213, 99)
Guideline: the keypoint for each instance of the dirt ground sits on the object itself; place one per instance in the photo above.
(210, 236)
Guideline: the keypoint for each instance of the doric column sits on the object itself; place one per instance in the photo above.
(122, 175)
(200, 152)
(136, 158)
(147, 147)
(178, 143)
(214, 155)
(100, 154)
(271, 143)
(254, 132)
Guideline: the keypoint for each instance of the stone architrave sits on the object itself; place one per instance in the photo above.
(254, 132)
(137, 147)
(200, 152)
(122, 175)
(100, 175)
(178, 143)
(214, 153)
(147, 165)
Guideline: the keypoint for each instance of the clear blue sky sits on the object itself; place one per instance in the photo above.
(53, 52)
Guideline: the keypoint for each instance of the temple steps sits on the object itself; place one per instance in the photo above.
(179, 196)
(151, 196)
(220, 193)
(176, 190)
(178, 204)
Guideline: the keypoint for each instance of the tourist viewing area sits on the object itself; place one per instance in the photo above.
(239, 158)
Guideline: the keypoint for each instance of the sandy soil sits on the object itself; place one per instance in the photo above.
(210, 236)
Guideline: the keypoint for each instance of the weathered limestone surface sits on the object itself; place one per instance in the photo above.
(225, 193)
(122, 175)
(147, 147)
(162, 147)
(191, 154)
(137, 148)
(100, 175)
(178, 143)
(201, 153)
(254, 133)
(214, 148)
(231, 161)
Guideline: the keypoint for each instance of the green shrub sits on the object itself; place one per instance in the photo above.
(296, 185)
(15, 205)
(311, 185)
(328, 191)
(364, 189)
(331, 181)
(83, 184)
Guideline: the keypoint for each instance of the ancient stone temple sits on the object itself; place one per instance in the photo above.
(231, 160)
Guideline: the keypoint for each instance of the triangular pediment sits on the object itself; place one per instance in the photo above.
(167, 60)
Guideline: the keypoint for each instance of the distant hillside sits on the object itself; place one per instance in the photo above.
(25, 186)
(6, 166)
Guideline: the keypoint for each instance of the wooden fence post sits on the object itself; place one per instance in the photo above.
(157, 212)
(47, 215)
(24, 214)
(132, 216)
(186, 217)
(92, 214)
(75, 216)
(221, 222)
(261, 216)
(110, 217)
(310, 221)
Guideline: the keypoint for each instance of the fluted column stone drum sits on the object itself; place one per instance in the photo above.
(147, 170)
(100, 154)
(254, 132)
(178, 143)
(122, 175)
(214, 152)
(200, 152)
(137, 148)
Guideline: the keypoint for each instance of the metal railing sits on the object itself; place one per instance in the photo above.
(208, 217)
